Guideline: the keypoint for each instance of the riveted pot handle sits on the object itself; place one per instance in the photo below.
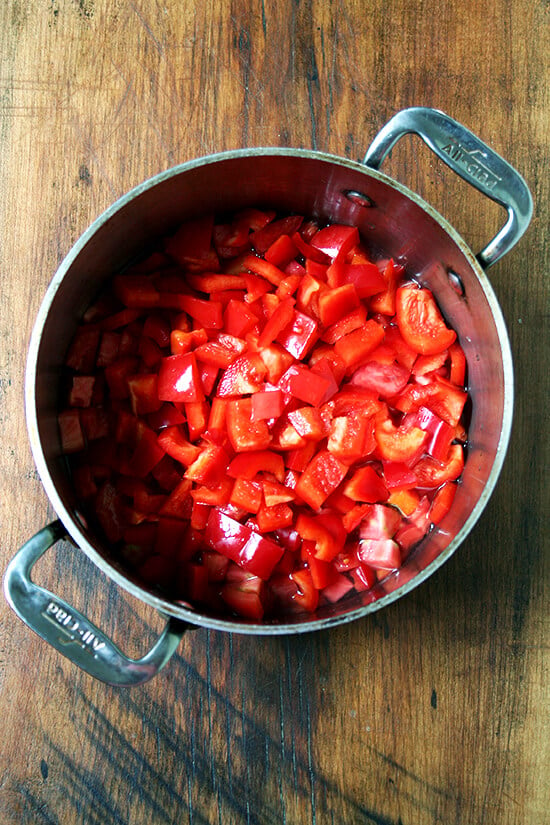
(470, 158)
(71, 633)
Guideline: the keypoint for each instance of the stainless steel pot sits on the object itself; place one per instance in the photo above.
(393, 221)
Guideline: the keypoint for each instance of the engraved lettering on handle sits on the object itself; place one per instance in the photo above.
(74, 633)
(472, 161)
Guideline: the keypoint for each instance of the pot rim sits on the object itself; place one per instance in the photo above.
(70, 520)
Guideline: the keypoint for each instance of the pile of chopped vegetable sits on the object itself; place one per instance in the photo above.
(260, 419)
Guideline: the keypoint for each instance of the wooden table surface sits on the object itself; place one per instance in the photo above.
(434, 710)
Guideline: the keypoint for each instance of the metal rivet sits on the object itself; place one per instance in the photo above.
(456, 282)
(359, 198)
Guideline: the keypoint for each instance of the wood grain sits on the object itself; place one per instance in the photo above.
(436, 709)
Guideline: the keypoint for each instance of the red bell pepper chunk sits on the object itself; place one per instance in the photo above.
(335, 304)
(355, 320)
(336, 240)
(308, 423)
(431, 473)
(282, 251)
(405, 443)
(440, 396)
(326, 531)
(355, 347)
(281, 317)
(157, 327)
(238, 319)
(276, 360)
(263, 268)
(337, 588)
(82, 390)
(222, 352)
(248, 465)
(245, 434)
(248, 549)
(217, 494)
(166, 416)
(398, 475)
(117, 376)
(299, 335)
(380, 522)
(420, 321)
(191, 245)
(309, 252)
(216, 283)
(136, 291)
(366, 278)
(275, 493)
(386, 380)
(457, 373)
(440, 434)
(321, 477)
(384, 302)
(274, 518)
(243, 376)
(147, 452)
(179, 379)
(197, 414)
(351, 437)
(210, 464)
(208, 314)
(109, 347)
(305, 384)
(442, 501)
(366, 485)
(382, 554)
(263, 238)
(209, 376)
(307, 596)
(173, 442)
(268, 404)
(144, 393)
(246, 495)
(182, 341)
(70, 431)
(245, 598)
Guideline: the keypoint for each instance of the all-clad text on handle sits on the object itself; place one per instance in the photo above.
(470, 158)
(71, 633)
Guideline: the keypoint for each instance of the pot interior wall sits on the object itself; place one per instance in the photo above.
(394, 223)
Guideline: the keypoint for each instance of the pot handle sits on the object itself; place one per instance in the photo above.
(470, 158)
(71, 633)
